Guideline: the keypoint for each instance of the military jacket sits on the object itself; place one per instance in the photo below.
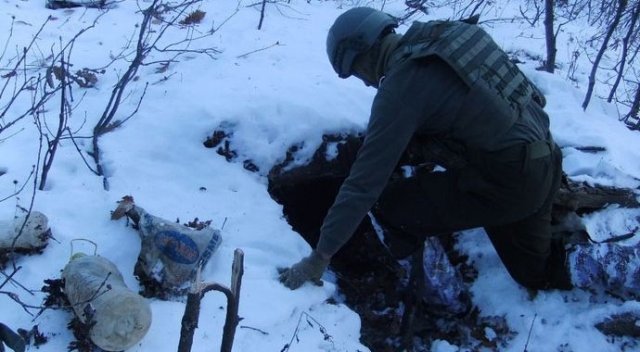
(427, 98)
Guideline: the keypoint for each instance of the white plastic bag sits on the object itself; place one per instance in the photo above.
(35, 233)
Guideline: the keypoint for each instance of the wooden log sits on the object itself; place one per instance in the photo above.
(625, 324)
(583, 198)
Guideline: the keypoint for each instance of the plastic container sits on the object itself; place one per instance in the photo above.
(96, 290)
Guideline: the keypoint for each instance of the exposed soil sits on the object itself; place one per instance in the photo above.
(372, 282)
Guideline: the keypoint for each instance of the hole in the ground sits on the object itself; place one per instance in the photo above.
(372, 282)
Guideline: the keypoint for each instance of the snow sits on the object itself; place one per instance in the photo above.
(273, 98)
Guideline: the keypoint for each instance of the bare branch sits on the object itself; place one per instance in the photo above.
(625, 49)
(622, 4)
(63, 118)
(14, 297)
(9, 278)
(536, 17)
(147, 42)
(24, 53)
(86, 163)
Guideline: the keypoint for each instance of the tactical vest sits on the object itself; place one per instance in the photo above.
(473, 54)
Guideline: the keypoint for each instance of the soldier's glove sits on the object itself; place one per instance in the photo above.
(310, 268)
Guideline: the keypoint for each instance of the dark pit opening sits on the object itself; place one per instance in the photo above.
(373, 283)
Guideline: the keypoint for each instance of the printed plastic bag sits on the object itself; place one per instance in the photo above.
(170, 253)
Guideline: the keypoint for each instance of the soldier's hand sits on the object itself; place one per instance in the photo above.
(310, 268)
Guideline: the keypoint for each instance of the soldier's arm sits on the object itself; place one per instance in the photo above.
(416, 96)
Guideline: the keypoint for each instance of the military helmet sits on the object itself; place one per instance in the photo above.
(354, 32)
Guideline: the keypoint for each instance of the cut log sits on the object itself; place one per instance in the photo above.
(625, 324)
(583, 198)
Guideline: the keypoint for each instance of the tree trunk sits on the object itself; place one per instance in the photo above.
(625, 50)
(622, 4)
(634, 112)
(550, 63)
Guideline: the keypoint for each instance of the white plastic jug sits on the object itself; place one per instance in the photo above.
(95, 287)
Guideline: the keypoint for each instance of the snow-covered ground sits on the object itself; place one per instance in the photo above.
(273, 98)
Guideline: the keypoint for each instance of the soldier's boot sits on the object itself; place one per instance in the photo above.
(443, 290)
(611, 267)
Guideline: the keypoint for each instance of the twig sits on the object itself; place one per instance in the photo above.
(97, 293)
(227, 19)
(163, 79)
(254, 329)
(11, 135)
(6, 43)
(63, 118)
(14, 297)
(258, 50)
(31, 203)
(526, 345)
(86, 163)
(135, 111)
(9, 278)
(308, 317)
(21, 188)
(25, 51)
(95, 246)
(264, 3)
